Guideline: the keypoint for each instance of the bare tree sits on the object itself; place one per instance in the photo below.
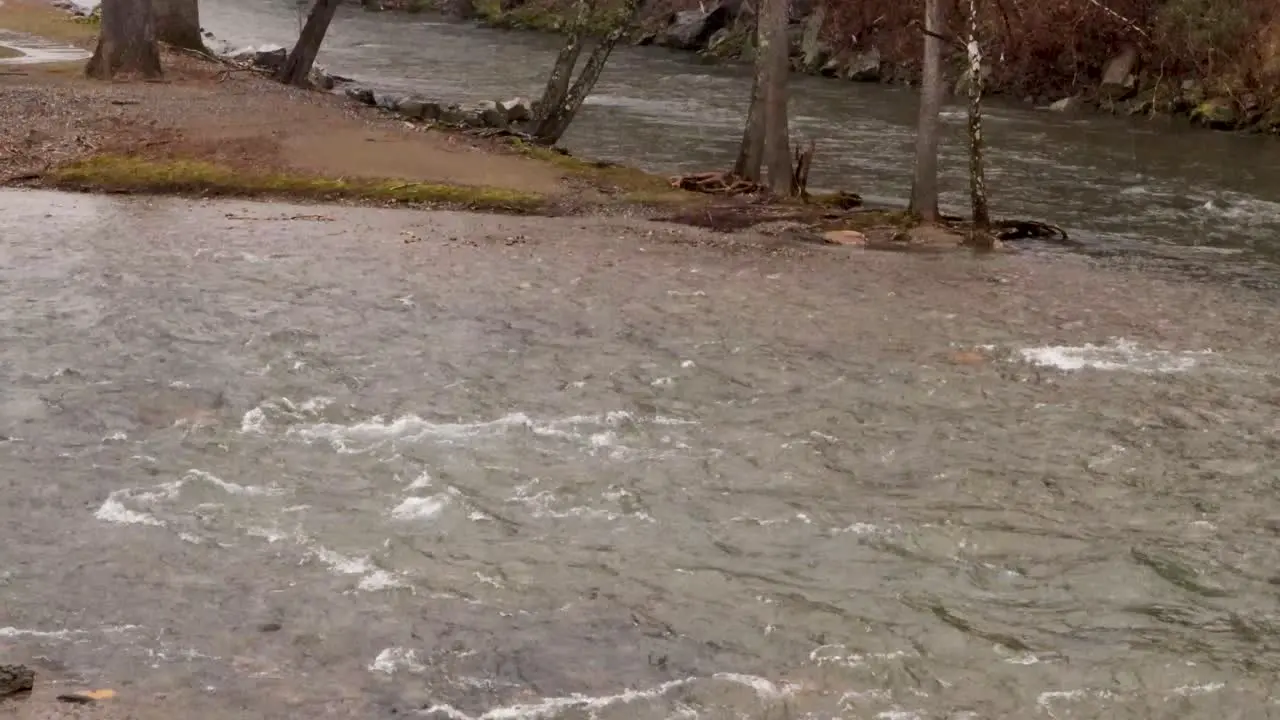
(562, 100)
(766, 142)
(924, 186)
(126, 43)
(977, 173)
(178, 23)
(296, 69)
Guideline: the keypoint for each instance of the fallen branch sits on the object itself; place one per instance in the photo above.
(717, 183)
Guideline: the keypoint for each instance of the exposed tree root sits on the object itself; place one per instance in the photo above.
(717, 183)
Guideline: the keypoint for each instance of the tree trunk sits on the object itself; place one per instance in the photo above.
(178, 23)
(977, 174)
(777, 137)
(126, 43)
(557, 88)
(924, 186)
(297, 67)
(554, 117)
(751, 151)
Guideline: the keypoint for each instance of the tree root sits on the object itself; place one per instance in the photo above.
(717, 183)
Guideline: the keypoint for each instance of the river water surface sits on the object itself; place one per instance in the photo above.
(263, 461)
(1112, 182)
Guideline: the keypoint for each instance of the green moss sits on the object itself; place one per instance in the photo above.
(123, 173)
(603, 175)
(47, 22)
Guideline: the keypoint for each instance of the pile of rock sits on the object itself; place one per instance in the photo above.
(498, 115)
(270, 58)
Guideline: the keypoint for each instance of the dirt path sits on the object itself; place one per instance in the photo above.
(50, 114)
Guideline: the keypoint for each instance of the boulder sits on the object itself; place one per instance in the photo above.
(265, 59)
(412, 108)
(863, 66)
(451, 115)
(1119, 81)
(716, 43)
(387, 100)
(1066, 104)
(362, 95)
(691, 29)
(518, 110)
(1217, 113)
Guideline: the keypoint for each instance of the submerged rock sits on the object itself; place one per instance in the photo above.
(1217, 113)
(15, 679)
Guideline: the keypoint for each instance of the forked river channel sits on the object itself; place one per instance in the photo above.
(296, 462)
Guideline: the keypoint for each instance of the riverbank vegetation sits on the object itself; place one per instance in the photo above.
(1216, 62)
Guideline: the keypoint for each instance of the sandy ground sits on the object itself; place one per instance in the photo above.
(51, 114)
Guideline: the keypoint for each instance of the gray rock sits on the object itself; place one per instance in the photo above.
(494, 117)
(452, 115)
(1066, 104)
(431, 111)
(1118, 79)
(863, 66)
(264, 59)
(412, 108)
(361, 95)
(518, 110)
(685, 30)
(718, 39)
(387, 100)
(15, 679)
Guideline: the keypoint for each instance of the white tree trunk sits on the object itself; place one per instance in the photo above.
(977, 173)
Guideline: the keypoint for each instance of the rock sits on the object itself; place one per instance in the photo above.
(412, 108)
(685, 30)
(1118, 79)
(717, 40)
(320, 79)
(691, 29)
(845, 237)
(814, 53)
(1217, 113)
(494, 117)
(264, 58)
(863, 66)
(361, 95)
(15, 679)
(452, 115)
(518, 110)
(387, 100)
(458, 10)
(1066, 104)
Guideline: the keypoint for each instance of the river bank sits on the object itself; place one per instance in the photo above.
(1108, 66)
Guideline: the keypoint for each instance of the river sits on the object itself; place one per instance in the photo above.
(273, 461)
(1113, 182)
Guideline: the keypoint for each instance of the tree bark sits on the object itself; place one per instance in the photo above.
(126, 43)
(558, 82)
(751, 152)
(777, 134)
(296, 69)
(977, 173)
(554, 118)
(178, 23)
(924, 186)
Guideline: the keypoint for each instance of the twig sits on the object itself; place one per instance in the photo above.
(1120, 17)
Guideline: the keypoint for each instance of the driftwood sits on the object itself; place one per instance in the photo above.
(716, 183)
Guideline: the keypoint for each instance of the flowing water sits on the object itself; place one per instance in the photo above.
(263, 461)
(1112, 182)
